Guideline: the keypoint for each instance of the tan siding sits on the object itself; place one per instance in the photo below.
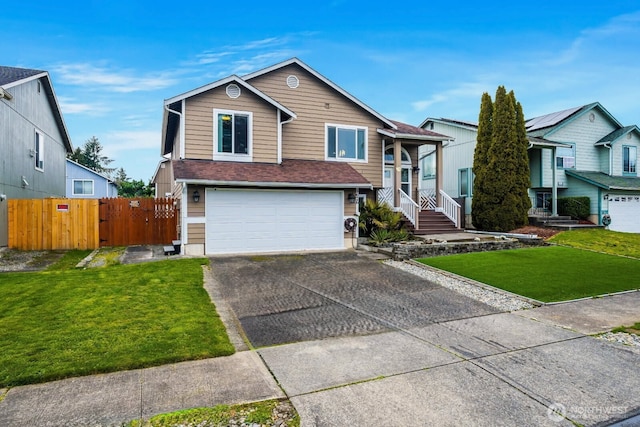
(196, 233)
(164, 179)
(316, 104)
(199, 123)
(195, 209)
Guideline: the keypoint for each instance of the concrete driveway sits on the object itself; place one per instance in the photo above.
(355, 342)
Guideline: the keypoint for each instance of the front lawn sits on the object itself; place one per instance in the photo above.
(598, 239)
(58, 324)
(547, 273)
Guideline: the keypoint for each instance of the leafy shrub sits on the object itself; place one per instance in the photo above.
(575, 207)
(378, 216)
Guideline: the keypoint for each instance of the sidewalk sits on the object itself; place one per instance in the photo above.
(112, 399)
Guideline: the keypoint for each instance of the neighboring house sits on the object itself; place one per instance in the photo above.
(278, 160)
(581, 151)
(85, 183)
(34, 141)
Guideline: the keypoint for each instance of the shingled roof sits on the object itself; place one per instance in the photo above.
(290, 173)
(14, 74)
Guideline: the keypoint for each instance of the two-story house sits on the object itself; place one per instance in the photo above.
(277, 160)
(85, 183)
(581, 151)
(34, 141)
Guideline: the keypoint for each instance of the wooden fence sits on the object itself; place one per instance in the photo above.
(51, 224)
(137, 221)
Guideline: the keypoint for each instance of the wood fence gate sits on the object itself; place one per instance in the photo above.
(125, 222)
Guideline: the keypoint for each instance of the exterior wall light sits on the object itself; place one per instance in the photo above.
(196, 196)
(416, 169)
(351, 198)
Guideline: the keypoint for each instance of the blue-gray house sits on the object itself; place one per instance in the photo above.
(84, 183)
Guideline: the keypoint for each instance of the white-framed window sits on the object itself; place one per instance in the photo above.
(346, 143)
(38, 150)
(629, 159)
(232, 134)
(566, 157)
(82, 187)
(429, 166)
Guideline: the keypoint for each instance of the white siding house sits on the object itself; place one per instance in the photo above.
(595, 156)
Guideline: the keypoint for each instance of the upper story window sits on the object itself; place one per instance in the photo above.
(232, 132)
(38, 149)
(348, 143)
(83, 187)
(566, 157)
(629, 159)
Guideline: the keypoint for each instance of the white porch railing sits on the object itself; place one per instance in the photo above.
(428, 200)
(450, 208)
(408, 207)
(385, 195)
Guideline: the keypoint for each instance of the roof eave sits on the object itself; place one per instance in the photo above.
(312, 185)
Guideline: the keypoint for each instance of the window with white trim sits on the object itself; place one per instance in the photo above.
(348, 143)
(232, 133)
(83, 187)
(629, 159)
(38, 150)
(566, 157)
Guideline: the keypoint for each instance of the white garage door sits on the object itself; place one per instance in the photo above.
(625, 213)
(249, 221)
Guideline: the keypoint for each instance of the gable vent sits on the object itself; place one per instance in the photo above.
(233, 91)
(293, 82)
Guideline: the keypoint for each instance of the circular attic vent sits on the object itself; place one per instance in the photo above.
(233, 91)
(293, 82)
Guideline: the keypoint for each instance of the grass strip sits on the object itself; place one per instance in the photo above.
(58, 324)
(600, 240)
(546, 274)
(259, 413)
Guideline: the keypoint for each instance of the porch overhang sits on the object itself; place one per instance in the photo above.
(543, 143)
(606, 182)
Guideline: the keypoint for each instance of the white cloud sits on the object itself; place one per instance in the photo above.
(119, 142)
(71, 106)
(122, 81)
(472, 90)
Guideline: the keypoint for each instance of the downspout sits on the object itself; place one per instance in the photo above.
(184, 236)
(280, 135)
(554, 187)
(182, 144)
(608, 145)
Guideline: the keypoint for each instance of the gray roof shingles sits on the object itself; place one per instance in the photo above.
(14, 74)
(608, 182)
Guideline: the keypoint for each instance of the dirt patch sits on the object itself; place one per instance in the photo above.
(545, 233)
(14, 260)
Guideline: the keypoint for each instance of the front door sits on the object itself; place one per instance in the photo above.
(405, 176)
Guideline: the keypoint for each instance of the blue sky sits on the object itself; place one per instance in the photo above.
(114, 62)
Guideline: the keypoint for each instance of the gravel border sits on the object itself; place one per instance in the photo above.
(499, 300)
(625, 338)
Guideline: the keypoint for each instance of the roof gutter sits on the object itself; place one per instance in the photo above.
(338, 186)
(182, 144)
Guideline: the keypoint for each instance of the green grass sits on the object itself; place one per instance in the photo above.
(633, 329)
(600, 240)
(547, 273)
(259, 413)
(63, 323)
(69, 260)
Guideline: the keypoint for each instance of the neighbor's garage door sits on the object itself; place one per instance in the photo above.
(245, 221)
(625, 213)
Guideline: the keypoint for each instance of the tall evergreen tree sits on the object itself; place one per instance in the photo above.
(90, 155)
(481, 160)
(502, 192)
